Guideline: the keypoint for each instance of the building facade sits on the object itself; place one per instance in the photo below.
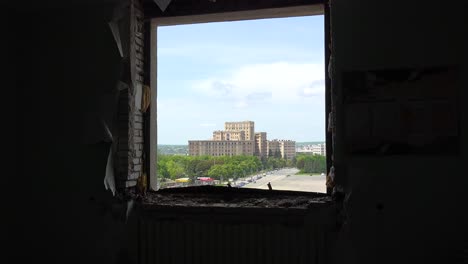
(239, 138)
(229, 135)
(261, 144)
(221, 147)
(247, 126)
(287, 148)
(319, 149)
(316, 149)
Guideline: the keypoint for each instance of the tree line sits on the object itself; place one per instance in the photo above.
(307, 163)
(222, 167)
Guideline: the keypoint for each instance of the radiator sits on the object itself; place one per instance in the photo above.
(235, 235)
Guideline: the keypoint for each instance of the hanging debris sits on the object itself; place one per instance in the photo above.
(162, 4)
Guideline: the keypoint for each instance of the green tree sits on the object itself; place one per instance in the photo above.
(277, 154)
(218, 171)
(311, 163)
(175, 169)
(176, 166)
(294, 161)
(202, 168)
(264, 161)
(162, 171)
(273, 163)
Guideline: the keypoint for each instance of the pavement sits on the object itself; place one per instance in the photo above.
(280, 180)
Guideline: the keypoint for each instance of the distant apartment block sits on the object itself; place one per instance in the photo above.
(317, 149)
(229, 135)
(240, 138)
(221, 147)
(248, 127)
(287, 148)
(261, 144)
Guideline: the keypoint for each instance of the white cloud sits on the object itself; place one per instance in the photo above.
(216, 88)
(264, 93)
(316, 88)
(266, 83)
(233, 54)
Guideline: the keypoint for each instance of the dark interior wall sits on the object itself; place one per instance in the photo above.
(402, 208)
(67, 65)
(65, 62)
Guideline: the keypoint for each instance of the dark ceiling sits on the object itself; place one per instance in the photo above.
(196, 7)
(175, 8)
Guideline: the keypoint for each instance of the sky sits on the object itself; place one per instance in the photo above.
(270, 71)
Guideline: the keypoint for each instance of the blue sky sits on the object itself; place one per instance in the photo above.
(270, 71)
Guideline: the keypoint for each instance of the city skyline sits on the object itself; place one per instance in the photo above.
(266, 70)
(297, 142)
(241, 138)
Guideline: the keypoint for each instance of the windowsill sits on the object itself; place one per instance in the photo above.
(210, 197)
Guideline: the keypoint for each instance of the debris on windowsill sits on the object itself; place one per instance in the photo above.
(216, 196)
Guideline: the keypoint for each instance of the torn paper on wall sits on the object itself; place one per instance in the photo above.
(119, 17)
(114, 26)
(101, 109)
(146, 98)
(122, 86)
(162, 4)
(129, 209)
(110, 138)
(109, 179)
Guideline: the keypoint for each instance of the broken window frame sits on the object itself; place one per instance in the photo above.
(282, 12)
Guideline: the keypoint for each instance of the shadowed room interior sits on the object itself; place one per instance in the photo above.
(396, 82)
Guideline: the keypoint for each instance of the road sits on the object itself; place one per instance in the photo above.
(280, 180)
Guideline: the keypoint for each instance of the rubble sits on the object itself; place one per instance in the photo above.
(212, 196)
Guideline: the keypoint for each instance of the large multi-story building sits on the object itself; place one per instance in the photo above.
(287, 148)
(247, 126)
(221, 147)
(261, 144)
(319, 149)
(316, 149)
(239, 138)
(229, 135)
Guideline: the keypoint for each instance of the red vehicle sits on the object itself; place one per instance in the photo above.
(205, 181)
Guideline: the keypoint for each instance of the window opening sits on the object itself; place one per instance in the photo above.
(258, 82)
